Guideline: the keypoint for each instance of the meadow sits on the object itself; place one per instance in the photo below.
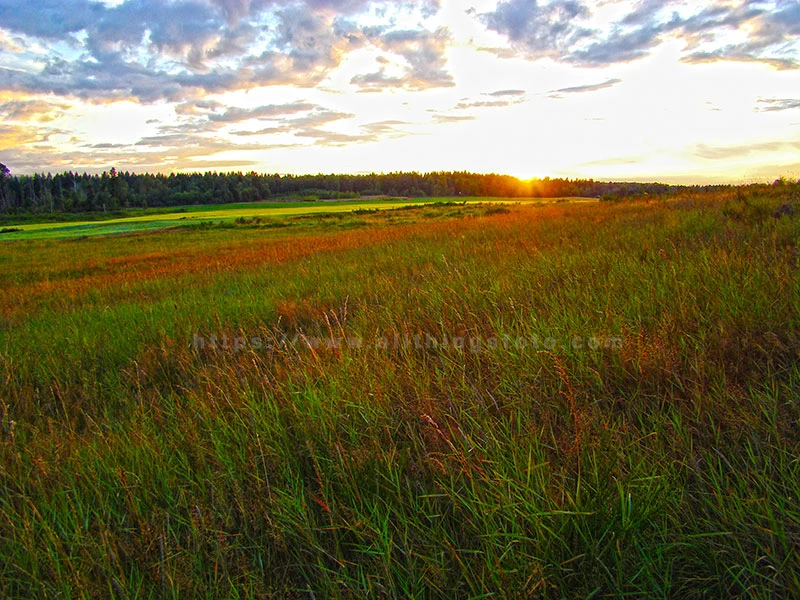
(143, 220)
(539, 400)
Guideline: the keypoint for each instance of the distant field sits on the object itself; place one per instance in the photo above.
(521, 400)
(151, 220)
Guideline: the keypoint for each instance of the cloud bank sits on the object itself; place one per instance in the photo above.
(152, 50)
(563, 30)
(156, 50)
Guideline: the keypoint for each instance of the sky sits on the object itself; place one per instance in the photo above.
(705, 91)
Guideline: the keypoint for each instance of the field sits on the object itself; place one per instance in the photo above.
(275, 213)
(448, 400)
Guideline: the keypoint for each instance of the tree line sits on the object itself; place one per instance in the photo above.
(73, 192)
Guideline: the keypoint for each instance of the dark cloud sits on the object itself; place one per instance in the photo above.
(49, 19)
(778, 104)
(643, 13)
(111, 80)
(540, 30)
(172, 27)
(771, 30)
(581, 89)
(557, 30)
(502, 93)
(717, 16)
(151, 50)
(307, 38)
(236, 10)
(620, 46)
(377, 80)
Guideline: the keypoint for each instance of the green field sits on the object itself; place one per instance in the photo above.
(447, 400)
(152, 220)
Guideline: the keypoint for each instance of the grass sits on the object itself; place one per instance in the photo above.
(555, 400)
(148, 220)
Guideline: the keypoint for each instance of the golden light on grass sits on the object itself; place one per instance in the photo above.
(146, 454)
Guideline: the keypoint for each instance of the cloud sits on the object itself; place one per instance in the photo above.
(560, 30)
(582, 89)
(739, 54)
(311, 127)
(643, 13)
(331, 138)
(501, 93)
(620, 47)
(423, 52)
(464, 105)
(200, 120)
(30, 110)
(388, 128)
(258, 132)
(371, 132)
(778, 104)
(500, 99)
(319, 117)
(310, 40)
(372, 82)
(539, 30)
(12, 136)
(49, 19)
(440, 118)
(771, 32)
(235, 114)
(307, 126)
(151, 50)
(236, 10)
(710, 152)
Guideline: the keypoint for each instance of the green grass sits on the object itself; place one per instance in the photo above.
(549, 400)
(147, 220)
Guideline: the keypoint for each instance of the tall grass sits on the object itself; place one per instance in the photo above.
(554, 401)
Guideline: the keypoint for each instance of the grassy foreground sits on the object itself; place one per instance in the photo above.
(567, 400)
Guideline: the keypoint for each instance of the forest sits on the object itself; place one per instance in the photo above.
(72, 192)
